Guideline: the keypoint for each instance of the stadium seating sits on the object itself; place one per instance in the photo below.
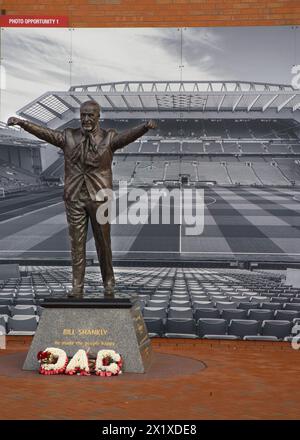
(180, 327)
(279, 329)
(213, 172)
(149, 147)
(269, 174)
(290, 168)
(241, 173)
(148, 172)
(13, 178)
(243, 327)
(211, 326)
(222, 148)
(155, 327)
(123, 170)
(196, 298)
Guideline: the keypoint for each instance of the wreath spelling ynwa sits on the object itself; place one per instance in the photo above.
(55, 361)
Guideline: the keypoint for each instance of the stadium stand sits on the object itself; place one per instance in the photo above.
(169, 147)
(149, 147)
(213, 172)
(169, 300)
(229, 152)
(192, 147)
(212, 147)
(269, 174)
(189, 169)
(242, 173)
(55, 171)
(123, 170)
(278, 148)
(231, 148)
(290, 168)
(252, 147)
(147, 172)
(13, 178)
(172, 170)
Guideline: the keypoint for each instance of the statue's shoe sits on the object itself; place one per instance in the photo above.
(109, 286)
(75, 294)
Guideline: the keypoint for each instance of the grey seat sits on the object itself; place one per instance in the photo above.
(226, 337)
(260, 338)
(247, 305)
(25, 295)
(271, 306)
(22, 324)
(47, 294)
(6, 301)
(157, 303)
(260, 314)
(222, 305)
(280, 329)
(160, 298)
(237, 298)
(4, 310)
(282, 300)
(180, 312)
(180, 298)
(180, 328)
(155, 327)
(23, 310)
(211, 326)
(24, 302)
(180, 303)
(203, 304)
(154, 312)
(243, 327)
(7, 295)
(197, 298)
(292, 306)
(233, 314)
(206, 313)
(286, 315)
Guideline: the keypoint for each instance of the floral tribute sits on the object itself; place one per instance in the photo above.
(79, 364)
(108, 363)
(52, 361)
(55, 361)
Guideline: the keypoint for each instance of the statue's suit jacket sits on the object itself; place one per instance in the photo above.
(96, 170)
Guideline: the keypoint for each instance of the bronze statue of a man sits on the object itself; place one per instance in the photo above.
(88, 153)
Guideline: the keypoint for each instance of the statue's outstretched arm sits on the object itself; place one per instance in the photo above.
(120, 140)
(54, 137)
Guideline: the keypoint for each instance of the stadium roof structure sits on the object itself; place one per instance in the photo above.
(15, 136)
(168, 99)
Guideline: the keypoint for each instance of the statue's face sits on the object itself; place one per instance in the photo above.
(89, 116)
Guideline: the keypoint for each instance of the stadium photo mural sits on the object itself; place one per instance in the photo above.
(213, 173)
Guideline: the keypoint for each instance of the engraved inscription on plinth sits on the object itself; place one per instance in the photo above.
(94, 328)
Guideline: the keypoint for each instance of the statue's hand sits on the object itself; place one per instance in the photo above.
(13, 121)
(151, 124)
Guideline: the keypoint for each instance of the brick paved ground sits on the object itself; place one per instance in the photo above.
(242, 380)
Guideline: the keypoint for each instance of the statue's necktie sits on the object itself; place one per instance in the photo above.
(86, 151)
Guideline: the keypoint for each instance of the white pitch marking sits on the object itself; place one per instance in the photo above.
(30, 212)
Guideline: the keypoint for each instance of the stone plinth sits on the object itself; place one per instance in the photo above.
(114, 323)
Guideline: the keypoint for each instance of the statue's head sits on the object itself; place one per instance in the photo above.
(89, 115)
